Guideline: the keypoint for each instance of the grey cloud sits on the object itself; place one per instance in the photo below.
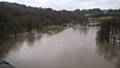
(71, 4)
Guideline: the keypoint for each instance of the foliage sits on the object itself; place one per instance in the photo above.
(16, 18)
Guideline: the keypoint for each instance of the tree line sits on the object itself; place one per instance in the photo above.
(17, 18)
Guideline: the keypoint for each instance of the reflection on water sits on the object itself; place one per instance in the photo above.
(57, 47)
(108, 42)
(110, 52)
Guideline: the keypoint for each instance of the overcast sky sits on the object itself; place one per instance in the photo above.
(70, 4)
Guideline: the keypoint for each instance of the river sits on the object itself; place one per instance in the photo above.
(73, 47)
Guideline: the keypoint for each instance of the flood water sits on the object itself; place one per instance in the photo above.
(73, 47)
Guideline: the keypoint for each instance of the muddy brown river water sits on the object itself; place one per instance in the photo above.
(73, 47)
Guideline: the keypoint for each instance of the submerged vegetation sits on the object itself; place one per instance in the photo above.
(16, 18)
(110, 31)
(108, 40)
(58, 37)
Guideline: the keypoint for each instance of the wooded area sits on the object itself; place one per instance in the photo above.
(16, 18)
